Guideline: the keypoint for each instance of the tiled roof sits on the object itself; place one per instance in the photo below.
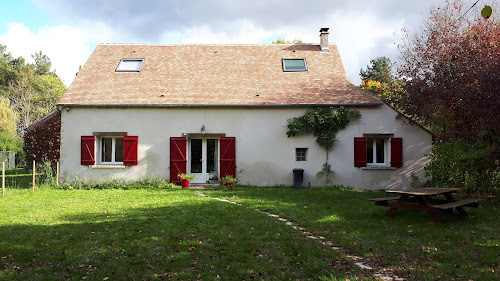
(214, 75)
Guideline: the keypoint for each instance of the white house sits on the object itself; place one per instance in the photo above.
(141, 110)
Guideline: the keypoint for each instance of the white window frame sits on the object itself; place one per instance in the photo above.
(374, 153)
(294, 70)
(113, 150)
(120, 66)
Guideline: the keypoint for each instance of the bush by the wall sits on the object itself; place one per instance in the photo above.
(42, 139)
(147, 183)
(470, 165)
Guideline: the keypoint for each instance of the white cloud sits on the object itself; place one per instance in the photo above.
(362, 29)
(67, 47)
(361, 37)
(243, 32)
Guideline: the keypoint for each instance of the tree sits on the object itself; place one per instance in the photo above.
(451, 71)
(42, 140)
(8, 122)
(283, 41)
(7, 71)
(380, 70)
(32, 89)
(451, 74)
(42, 63)
(8, 117)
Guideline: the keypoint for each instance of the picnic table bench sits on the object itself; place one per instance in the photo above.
(425, 200)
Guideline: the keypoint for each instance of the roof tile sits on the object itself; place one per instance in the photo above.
(214, 75)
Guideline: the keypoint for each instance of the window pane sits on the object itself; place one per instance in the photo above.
(380, 150)
(369, 151)
(130, 65)
(196, 154)
(119, 150)
(294, 64)
(106, 149)
(211, 155)
(301, 154)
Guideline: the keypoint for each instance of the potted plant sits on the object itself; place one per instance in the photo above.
(185, 179)
(228, 181)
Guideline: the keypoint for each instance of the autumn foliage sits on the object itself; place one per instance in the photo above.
(451, 70)
(42, 139)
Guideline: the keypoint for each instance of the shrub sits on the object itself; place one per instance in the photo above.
(469, 165)
(146, 183)
(42, 140)
(186, 177)
(50, 174)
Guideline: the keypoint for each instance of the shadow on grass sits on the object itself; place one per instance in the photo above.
(189, 239)
(409, 242)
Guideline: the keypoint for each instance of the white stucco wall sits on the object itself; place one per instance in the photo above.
(264, 154)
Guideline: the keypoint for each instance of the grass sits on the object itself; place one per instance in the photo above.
(138, 234)
(174, 234)
(410, 242)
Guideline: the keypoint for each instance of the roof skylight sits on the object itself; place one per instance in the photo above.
(130, 65)
(294, 65)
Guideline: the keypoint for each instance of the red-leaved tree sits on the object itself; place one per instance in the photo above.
(451, 70)
(42, 139)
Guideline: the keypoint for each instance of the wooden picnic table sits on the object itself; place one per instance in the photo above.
(426, 200)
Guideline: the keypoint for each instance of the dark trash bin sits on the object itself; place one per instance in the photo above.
(298, 178)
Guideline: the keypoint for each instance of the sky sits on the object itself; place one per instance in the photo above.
(69, 30)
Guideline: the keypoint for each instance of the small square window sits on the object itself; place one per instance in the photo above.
(130, 65)
(301, 154)
(294, 65)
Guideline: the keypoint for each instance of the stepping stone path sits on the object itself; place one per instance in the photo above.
(379, 272)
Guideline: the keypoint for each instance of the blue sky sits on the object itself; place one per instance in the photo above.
(68, 30)
(22, 11)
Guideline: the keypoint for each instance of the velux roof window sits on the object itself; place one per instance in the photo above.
(294, 65)
(130, 65)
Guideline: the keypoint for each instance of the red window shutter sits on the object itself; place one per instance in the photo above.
(227, 156)
(396, 152)
(359, 152)
(87, 150)
(178, 160)
(130, 144)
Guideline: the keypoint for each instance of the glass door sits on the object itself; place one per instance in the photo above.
(203, 160)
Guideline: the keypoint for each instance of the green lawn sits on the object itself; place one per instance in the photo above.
(410, 243)
(169, 234)
(174, 234)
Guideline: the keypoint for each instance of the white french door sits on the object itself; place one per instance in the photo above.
(203, 159)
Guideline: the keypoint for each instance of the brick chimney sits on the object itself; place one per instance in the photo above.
(323, 41)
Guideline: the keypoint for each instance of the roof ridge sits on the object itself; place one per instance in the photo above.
(210, 44)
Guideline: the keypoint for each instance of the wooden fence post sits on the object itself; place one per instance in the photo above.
(57, 173)
(3, 179)
(34, 172)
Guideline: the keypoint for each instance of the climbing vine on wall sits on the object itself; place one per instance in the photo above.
(322, 123)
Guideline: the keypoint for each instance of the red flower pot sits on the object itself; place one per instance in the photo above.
(184, 183)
